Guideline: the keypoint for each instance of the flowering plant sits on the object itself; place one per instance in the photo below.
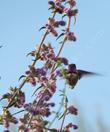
(53, 66)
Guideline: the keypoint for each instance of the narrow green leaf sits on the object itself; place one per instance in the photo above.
(60, 36)
(21, 77)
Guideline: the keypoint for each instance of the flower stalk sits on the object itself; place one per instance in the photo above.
(45, 77)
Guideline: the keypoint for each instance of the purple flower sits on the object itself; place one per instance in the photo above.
(34, 75)
(6, 122)
(59, 23)
(49, 88)
(7, 118)
(57, 6)
(72, 110)
(47, 53)
(72, 3)
(47, 96)
(39, 108)
(31, 74)
(32, 80)
(62, 23)
(41, 72)
(51, 3)
(51, 30)
(56, 73)
(70, 12)
(70, 36)
(19, 100)
(22, 122)
(70, 125)
(31, 108)
(63, 60)
(14, 120)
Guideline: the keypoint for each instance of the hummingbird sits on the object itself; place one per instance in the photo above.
(72, 75)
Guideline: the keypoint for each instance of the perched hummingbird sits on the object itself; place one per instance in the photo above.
(72, 75)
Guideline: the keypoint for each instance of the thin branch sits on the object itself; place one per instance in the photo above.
(65, 112)
(51, 123)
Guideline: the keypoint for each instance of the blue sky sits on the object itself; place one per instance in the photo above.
(19, 24)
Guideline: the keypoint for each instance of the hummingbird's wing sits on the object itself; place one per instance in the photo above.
(82, 73)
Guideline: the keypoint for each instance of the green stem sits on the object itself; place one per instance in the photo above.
(63, 120)
(51, 123)
(33, 64)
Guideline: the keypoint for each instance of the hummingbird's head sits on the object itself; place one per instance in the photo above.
(72, 68)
